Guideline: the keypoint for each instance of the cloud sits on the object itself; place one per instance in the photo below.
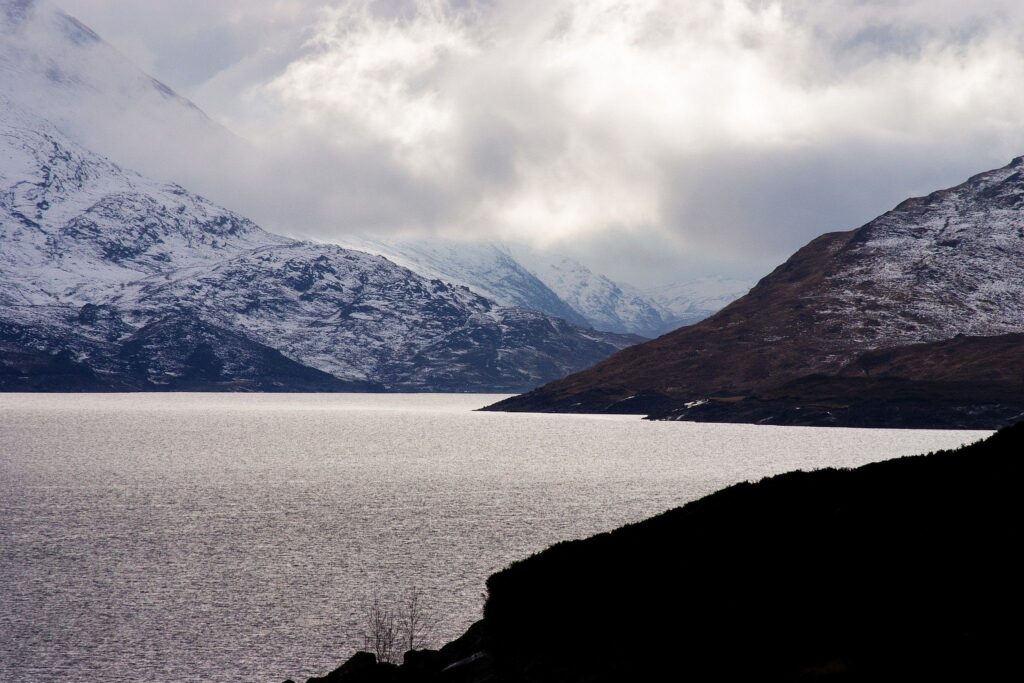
(726, 131)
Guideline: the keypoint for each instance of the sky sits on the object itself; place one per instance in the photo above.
(654, 140)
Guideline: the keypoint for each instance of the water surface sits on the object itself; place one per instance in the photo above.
(226, 537)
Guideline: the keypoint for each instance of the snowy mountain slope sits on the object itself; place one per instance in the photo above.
(52, 64)
(340, 303)
(485, 267)
(605, 304)
(178, 352)
(936, 266)
(690, 301)
(105, 266)
(554, 284)
(75, 225)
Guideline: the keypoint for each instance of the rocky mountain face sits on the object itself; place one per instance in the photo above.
(110, 280)
(932, 268)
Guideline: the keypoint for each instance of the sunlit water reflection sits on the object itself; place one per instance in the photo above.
(216, 537)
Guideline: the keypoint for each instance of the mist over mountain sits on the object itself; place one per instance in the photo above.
(690, 301)
(607, 305)
(919, 274)
(128, 282)
(56, 66)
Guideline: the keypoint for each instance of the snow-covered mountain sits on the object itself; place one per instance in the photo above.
(52, 64)
(488, 268)
(555, 284)
(606, 305)
(119, 281)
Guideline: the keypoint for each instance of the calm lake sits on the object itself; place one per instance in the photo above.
(228, 537)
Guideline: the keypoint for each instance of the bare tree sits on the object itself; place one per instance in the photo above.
(416, 623)
(393, 627)
(380, 629)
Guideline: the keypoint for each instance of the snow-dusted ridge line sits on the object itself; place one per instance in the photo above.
(94, 256)
(937, 266)
(606, 305)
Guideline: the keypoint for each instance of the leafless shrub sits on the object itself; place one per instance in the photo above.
(391, 627)
(380, 629)
(417, 624)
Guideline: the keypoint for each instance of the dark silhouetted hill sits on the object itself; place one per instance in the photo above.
(904, 570)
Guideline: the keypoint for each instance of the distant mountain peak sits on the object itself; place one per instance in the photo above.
(487, 268)
(607, 305)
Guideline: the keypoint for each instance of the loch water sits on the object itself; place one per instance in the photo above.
(234, 537)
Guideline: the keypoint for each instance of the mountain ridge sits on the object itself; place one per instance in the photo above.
(485, 267)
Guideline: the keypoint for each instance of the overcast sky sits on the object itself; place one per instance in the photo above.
(654, 139)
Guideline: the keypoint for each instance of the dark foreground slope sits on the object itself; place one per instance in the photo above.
(904, 570)
(934, 267)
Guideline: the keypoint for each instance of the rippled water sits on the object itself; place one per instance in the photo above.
(233, 537)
